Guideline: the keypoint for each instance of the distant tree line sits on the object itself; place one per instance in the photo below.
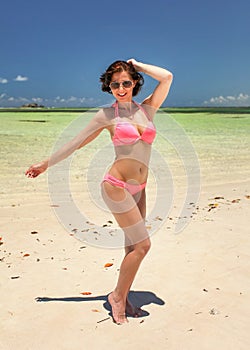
(32, 105)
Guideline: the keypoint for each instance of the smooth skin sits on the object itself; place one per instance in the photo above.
(124, 169)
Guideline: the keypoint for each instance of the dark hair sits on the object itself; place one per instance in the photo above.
(117, 67)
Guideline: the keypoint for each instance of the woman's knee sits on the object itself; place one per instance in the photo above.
(143, 247)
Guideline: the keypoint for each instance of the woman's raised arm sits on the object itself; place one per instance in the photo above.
(162, 75)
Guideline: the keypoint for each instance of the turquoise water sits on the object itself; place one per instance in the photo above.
(220, 142)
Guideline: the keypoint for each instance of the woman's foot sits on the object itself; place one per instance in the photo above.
(118, 309)
(132, 310)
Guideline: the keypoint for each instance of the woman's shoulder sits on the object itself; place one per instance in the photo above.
(148, 110)
(104, 115)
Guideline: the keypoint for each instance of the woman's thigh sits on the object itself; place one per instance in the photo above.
(126, 212)
(140, 199)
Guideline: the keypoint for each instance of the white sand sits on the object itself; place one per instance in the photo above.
(194, 285)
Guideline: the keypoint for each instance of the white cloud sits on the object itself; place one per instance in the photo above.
(241, 100)
(58, 101)
(243, 97)
(21, 78)
(72, 99)
(3, 81)
(12, 101)
(37, 100)
(22, 99)
(231, 98)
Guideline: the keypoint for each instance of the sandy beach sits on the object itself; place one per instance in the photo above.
(193, 286)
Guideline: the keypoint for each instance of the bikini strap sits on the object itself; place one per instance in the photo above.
(142, 109)
(115, 105)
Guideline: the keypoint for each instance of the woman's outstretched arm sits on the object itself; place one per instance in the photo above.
(162, 75)
(92, 130)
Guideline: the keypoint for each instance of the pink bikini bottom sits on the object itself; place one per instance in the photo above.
(131, 188)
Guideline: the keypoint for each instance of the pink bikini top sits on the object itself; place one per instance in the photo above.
(127, 134)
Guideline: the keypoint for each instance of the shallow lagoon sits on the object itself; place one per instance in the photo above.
(220, 141)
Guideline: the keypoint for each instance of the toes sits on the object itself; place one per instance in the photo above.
(118, 315)
(121, 319)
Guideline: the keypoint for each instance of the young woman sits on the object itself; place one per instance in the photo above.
(123, 188)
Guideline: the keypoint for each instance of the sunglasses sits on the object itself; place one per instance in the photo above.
(126, 84)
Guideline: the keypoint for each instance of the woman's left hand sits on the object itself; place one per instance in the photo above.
(136, 64)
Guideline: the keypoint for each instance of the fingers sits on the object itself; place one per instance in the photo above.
(135, 63)
(28, 173)
(36, 169)
(31, 172)
(131, 60)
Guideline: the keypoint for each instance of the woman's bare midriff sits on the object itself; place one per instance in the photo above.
(129, 170)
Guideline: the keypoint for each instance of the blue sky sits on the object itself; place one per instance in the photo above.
(53, 52)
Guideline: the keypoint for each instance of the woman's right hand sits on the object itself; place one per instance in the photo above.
(37, 169)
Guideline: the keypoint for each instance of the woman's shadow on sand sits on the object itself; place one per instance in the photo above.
(137, 298)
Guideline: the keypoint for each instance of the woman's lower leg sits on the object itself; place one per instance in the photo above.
(128, 270)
